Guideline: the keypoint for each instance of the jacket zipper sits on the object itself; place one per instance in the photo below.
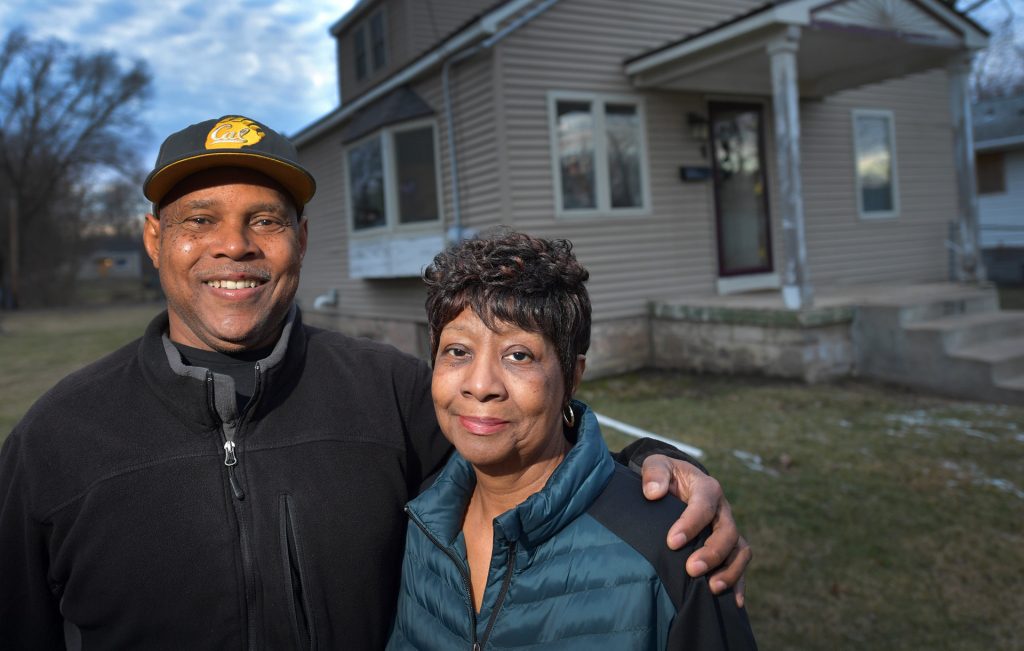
(478, 645)
(501, 596)
(231, 453)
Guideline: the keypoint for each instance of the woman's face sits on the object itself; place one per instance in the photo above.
(498, 394)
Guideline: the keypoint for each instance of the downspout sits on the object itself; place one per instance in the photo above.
(455, 233)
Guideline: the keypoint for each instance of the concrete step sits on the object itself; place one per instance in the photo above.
(1015, 383)
(958, 330)
(1004, 356)
(926, 302)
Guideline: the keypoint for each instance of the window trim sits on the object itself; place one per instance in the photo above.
(389, 166)
(602, 182)
(894, 164)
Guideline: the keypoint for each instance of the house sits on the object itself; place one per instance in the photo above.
(111, 263)
(740, 177)
(999, 151)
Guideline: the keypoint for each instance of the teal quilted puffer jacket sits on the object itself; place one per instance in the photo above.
(582, 564)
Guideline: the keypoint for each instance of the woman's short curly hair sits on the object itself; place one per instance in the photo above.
(529, 282)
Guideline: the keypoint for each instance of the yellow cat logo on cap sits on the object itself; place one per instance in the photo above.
(234, 132)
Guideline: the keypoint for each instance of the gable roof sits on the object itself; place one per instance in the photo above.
(838, 44)
(802, 11)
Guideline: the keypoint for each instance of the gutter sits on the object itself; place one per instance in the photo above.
(486, 26)
(456, 233)
(1008, 142)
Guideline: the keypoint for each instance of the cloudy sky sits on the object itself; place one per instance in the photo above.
(271, 60)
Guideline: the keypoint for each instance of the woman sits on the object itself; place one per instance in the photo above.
(532, 536)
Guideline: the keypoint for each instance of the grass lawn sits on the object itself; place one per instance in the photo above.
(39, 347)
(880, 519)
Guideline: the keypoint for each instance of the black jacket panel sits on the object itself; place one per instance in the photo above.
(121, 525)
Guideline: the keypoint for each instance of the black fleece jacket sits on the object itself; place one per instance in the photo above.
(121, 526)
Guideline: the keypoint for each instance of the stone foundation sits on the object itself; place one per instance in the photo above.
(811, 345)
(618, 346)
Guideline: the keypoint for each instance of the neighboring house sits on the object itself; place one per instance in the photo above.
(111, 263)
(689, 149)
(999, 147)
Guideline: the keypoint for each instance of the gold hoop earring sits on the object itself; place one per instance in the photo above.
(568, 416)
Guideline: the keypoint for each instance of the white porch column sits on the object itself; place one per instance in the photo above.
(970, 266)
(796, 286)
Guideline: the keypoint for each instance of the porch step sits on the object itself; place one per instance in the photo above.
(1013, 384)
(957, 343)
(958, 330)
(1005, 357)
(926, 303)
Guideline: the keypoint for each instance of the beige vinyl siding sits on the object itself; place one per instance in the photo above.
(326, 257)
(326, 263)
(581, 46)
(844, 248)
(476, 140)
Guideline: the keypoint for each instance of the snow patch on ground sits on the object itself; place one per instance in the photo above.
(970, 472)
(924, 423)
(754, 462)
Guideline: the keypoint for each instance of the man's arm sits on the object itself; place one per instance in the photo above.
(29, 615)
(724, 551)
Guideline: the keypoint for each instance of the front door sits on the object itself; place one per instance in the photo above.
(741, 197)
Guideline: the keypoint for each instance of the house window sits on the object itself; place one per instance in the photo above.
(366, 184)
(393, 179)
(874, 145)
(991, 173)
(599, 154)
(377, 42)
(359, 43)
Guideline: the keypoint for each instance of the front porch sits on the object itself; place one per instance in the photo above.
(796, 52)
(950, 338)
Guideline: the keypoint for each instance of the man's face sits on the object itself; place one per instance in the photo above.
(229, 246)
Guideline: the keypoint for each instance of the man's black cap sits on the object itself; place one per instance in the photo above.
(229, 141)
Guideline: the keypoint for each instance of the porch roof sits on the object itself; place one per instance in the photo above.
(842, 44)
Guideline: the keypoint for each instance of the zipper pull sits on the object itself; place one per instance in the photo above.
(229, 453)
(236, 488)
(477, 647)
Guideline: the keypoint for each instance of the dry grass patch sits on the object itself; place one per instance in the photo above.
(39, 347)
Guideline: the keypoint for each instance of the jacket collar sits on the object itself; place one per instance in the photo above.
(569, 492)
(184, 389)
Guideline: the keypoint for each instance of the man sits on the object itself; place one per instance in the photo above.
(234, 479)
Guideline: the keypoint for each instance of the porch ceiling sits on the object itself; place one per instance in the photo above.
(841, 45)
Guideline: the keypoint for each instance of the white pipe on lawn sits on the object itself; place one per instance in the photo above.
(636, 432)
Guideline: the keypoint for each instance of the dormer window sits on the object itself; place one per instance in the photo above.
(369, 42)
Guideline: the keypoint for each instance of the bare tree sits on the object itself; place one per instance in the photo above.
(998, 70)
(69, 123)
